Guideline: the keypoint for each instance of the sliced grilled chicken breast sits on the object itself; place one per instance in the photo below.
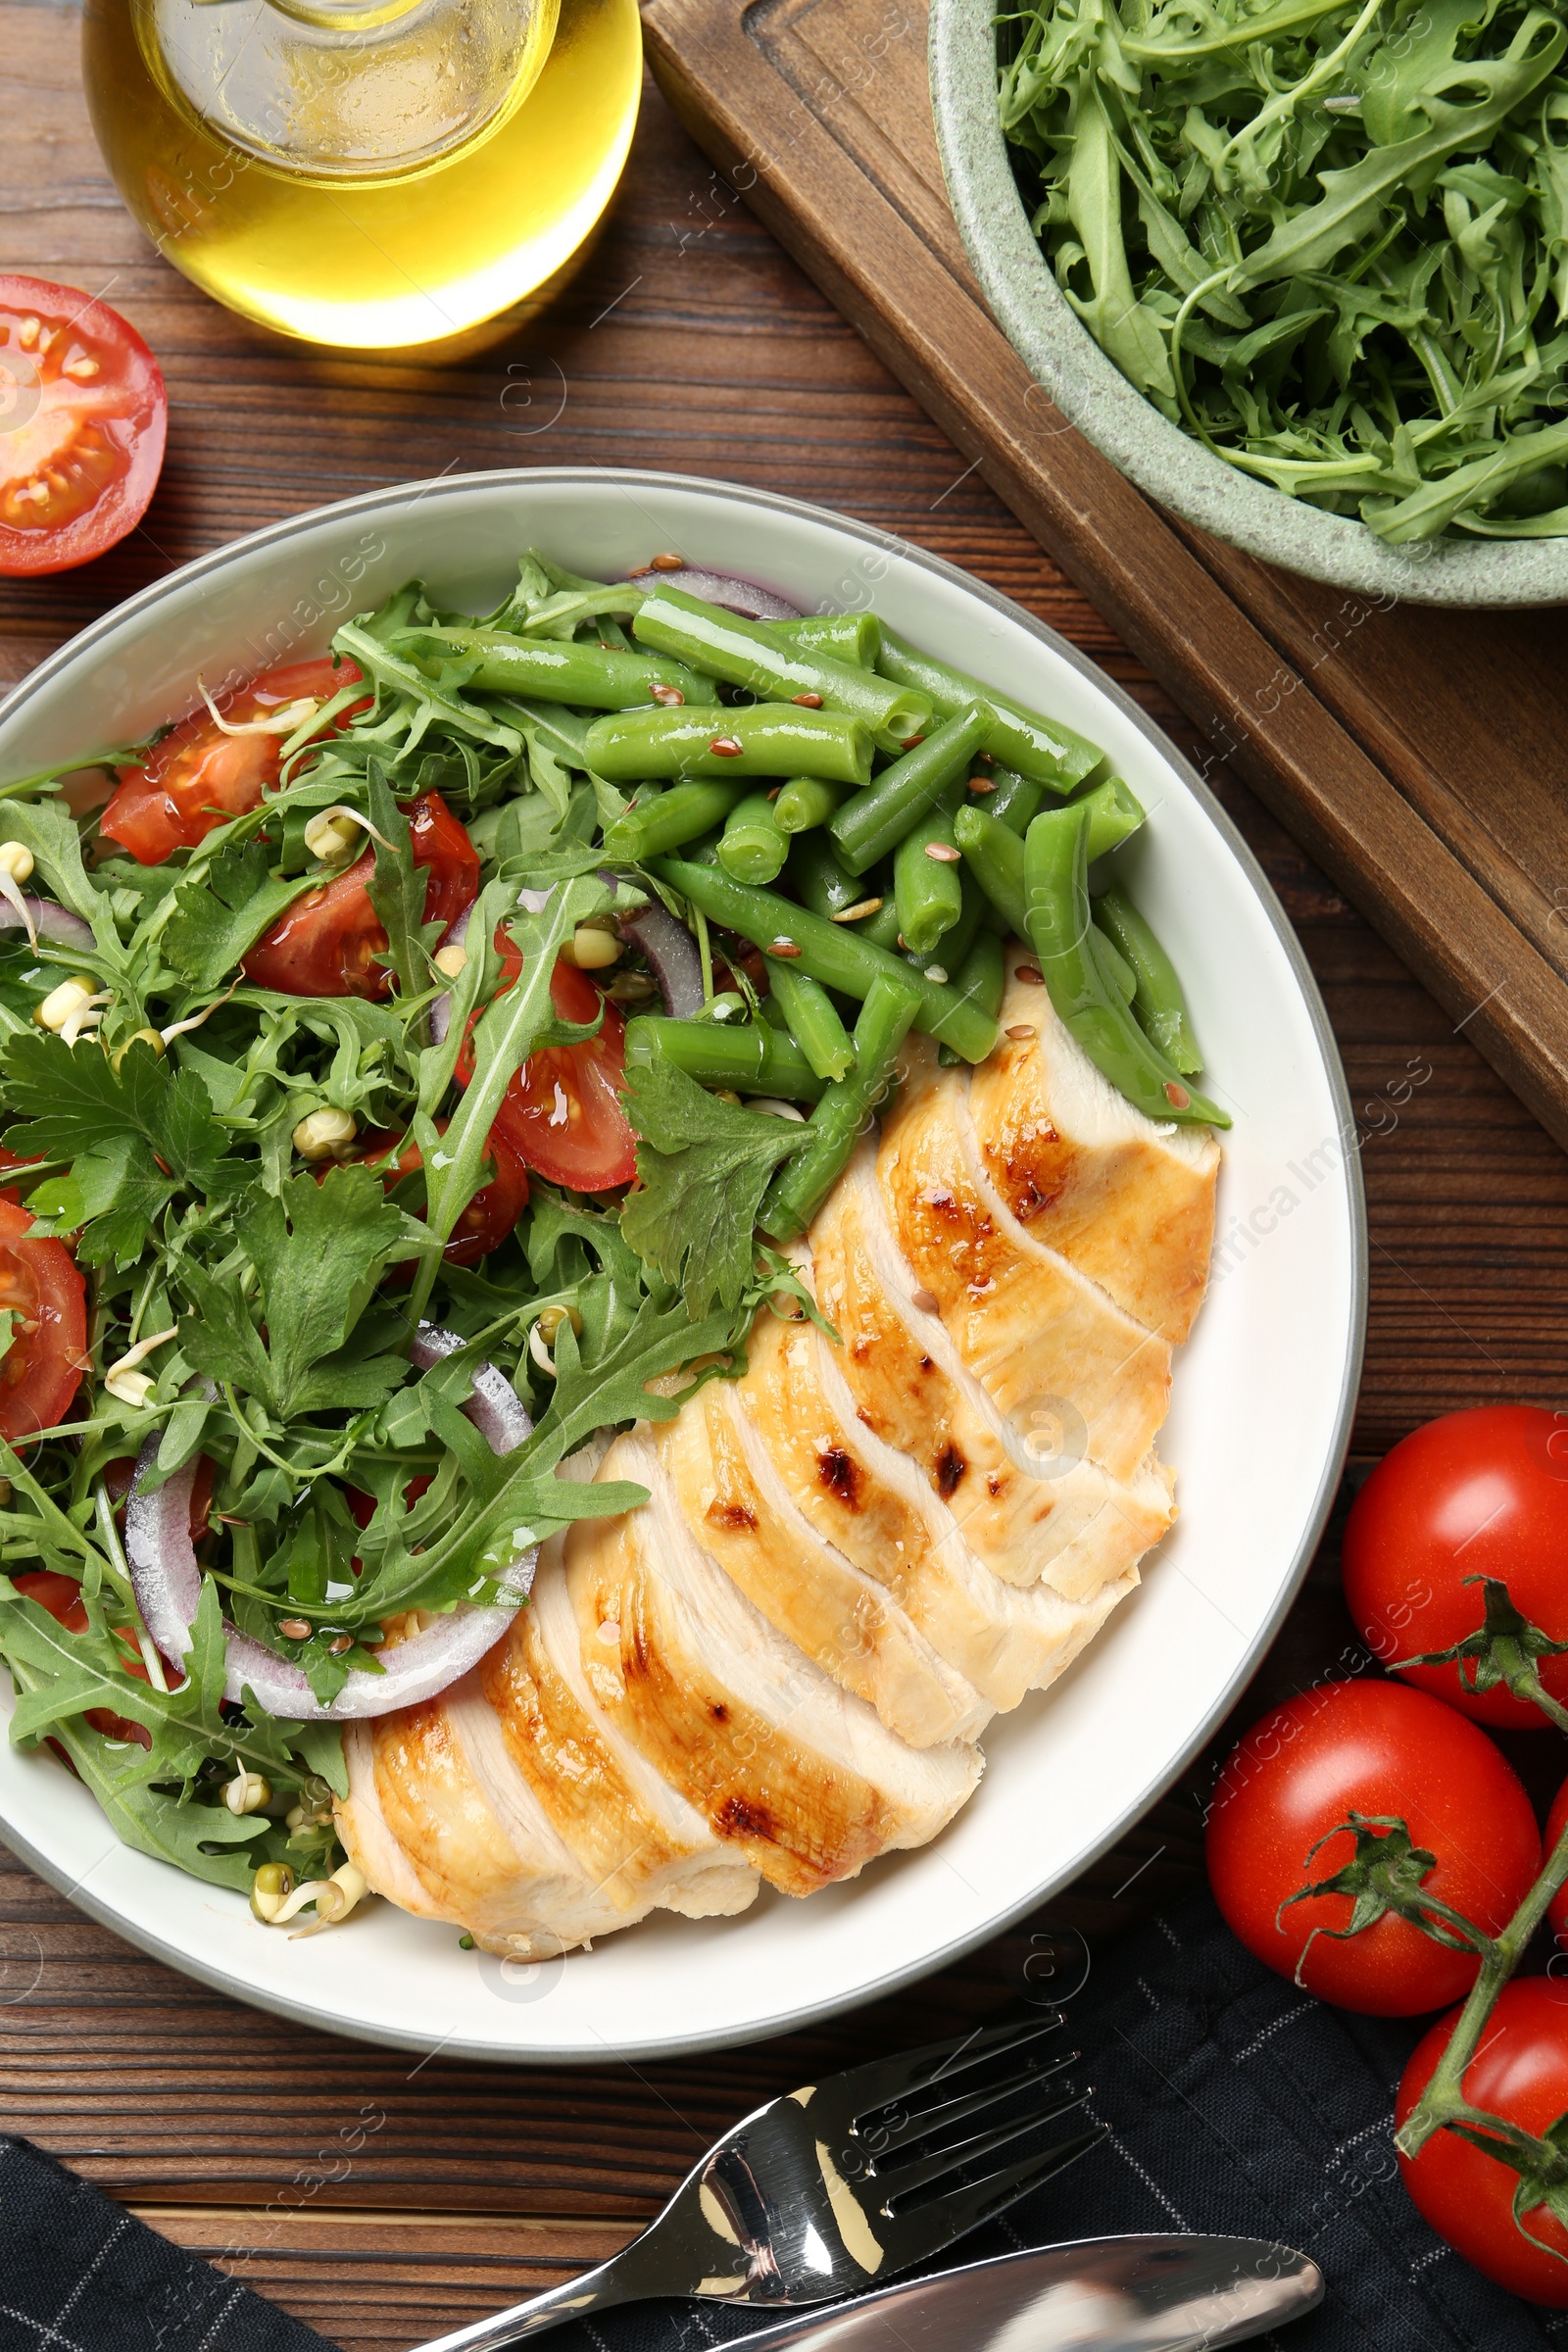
(799, 1774)
(1129, 1201)
(1033, 1329)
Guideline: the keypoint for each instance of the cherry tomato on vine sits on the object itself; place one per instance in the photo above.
(1378, 1749)
(1519, 2073)
(41, 1370)
(492, 1212)
(1475, 1494)
(327, 942)
(562, 1111)
(83, 409)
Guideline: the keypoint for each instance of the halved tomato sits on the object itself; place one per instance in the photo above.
(41, 1370)
(562, 1111)
(492, 1212)
(82, 418)
(199, 777)
(329, 942)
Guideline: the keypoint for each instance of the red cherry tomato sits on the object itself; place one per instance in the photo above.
(41, 1371)
(8, 1161)
(1374, 1748)
(61, 1595)
(329, 942)
(84, 410)
(562, 1111)
(492, 1212)
(1519, 2073)
(199, 777)
(1477, 1494)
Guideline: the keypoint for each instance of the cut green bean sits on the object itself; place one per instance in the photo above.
(1113, 815)
(823, 882)
(954, 945)
(994, 854)
(743, 653)
(770, 739)
(832, 953)
(881, 928)
(927, 887)
(851, 637)
(983, 974)
(1116, 969)
(834, 1128)
(1016, 802)
(811, 1018)
(872, 822)
(1056, 899)
(596, 677)
(807, 802)
(751, 847)
(748, 1058)
(669, 820)
(1158, 1002)
(1035, 746)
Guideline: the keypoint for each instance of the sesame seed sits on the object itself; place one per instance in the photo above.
(669, 696)
(783, 946)
(667, 562)
(853, 914)
(726, 747)
(1031, 975)
(1022, 1029)
(942, 851)
(981, 784)
(293, 1629)
(1176, 1095)
(807, 702)
(937, 972)
(909, 742)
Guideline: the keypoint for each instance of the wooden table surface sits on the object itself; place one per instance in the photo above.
(383, 2199)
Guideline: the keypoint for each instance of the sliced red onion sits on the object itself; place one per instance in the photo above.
(167, 1580)
(740, 596)
(672, 958)
(57, 924)
(441, 1009)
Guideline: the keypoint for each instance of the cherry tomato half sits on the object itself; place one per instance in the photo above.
(1520, 2072)
(492, 1212)
(198, 777)
(41, 1371)
(84, 411)
(561, 1112)
(327, 942)
(1477, 1494)
(1378, 1749)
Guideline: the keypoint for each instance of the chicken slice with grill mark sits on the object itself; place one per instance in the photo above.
(1033, 1329)
(634, 1837)
(1076, 1529)
(740, 1511)
(871, 1503)
(1130, 1202)
(802, 1777)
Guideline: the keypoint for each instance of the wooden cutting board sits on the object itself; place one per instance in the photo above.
(1419, 756)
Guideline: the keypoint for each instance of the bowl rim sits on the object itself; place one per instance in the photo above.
(1093, 394)
(305, 2011)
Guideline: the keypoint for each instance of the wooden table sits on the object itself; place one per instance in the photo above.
(379, 2198)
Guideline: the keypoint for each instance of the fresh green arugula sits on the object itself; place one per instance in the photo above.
(702, 1167)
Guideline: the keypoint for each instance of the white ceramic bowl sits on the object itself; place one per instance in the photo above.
(1263, 1394)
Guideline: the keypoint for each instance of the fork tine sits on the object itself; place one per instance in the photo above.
(916, 2123)
(901, 2181)
(982, 2200)
(857, 2095)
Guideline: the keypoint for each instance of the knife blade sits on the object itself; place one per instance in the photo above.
(1098, 2294)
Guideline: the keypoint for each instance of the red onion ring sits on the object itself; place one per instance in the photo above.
(167, 1580)
(672, 958)
(52, 922)
(740, 596)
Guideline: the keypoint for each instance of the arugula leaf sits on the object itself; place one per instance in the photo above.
(49, 830)
(222, 911)
(398, 886)
(704, 1166)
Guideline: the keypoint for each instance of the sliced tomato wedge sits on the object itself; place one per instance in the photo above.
(82, 419)
(492, 1212)
(199, 777)
(561, 1112)
(41, 1370)
(329, 942)
(61, 1595)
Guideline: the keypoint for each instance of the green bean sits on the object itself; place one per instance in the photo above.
(1016, 802)
(956, 944)
(1039, 747)
(851, 637)
(1114, 815)
(807, 802)
(994, 854)
(594, 676)
(825, 883)
(770, 739)
(834, 1128)
(811, 1018)
(1158, 1004)
(669, 820)
(743, 653)
(881, 928)
(872, 822)
(1115, 967)
(752, 848)
(748, 1058)
(1056, 899)
(829, 952)
(983, 974)
(927, 890)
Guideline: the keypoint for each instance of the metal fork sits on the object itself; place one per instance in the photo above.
(839, 2186)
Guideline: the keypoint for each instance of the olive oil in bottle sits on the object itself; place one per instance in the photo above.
(365, 174)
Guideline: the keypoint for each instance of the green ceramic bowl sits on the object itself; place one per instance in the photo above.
(1091, 391)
